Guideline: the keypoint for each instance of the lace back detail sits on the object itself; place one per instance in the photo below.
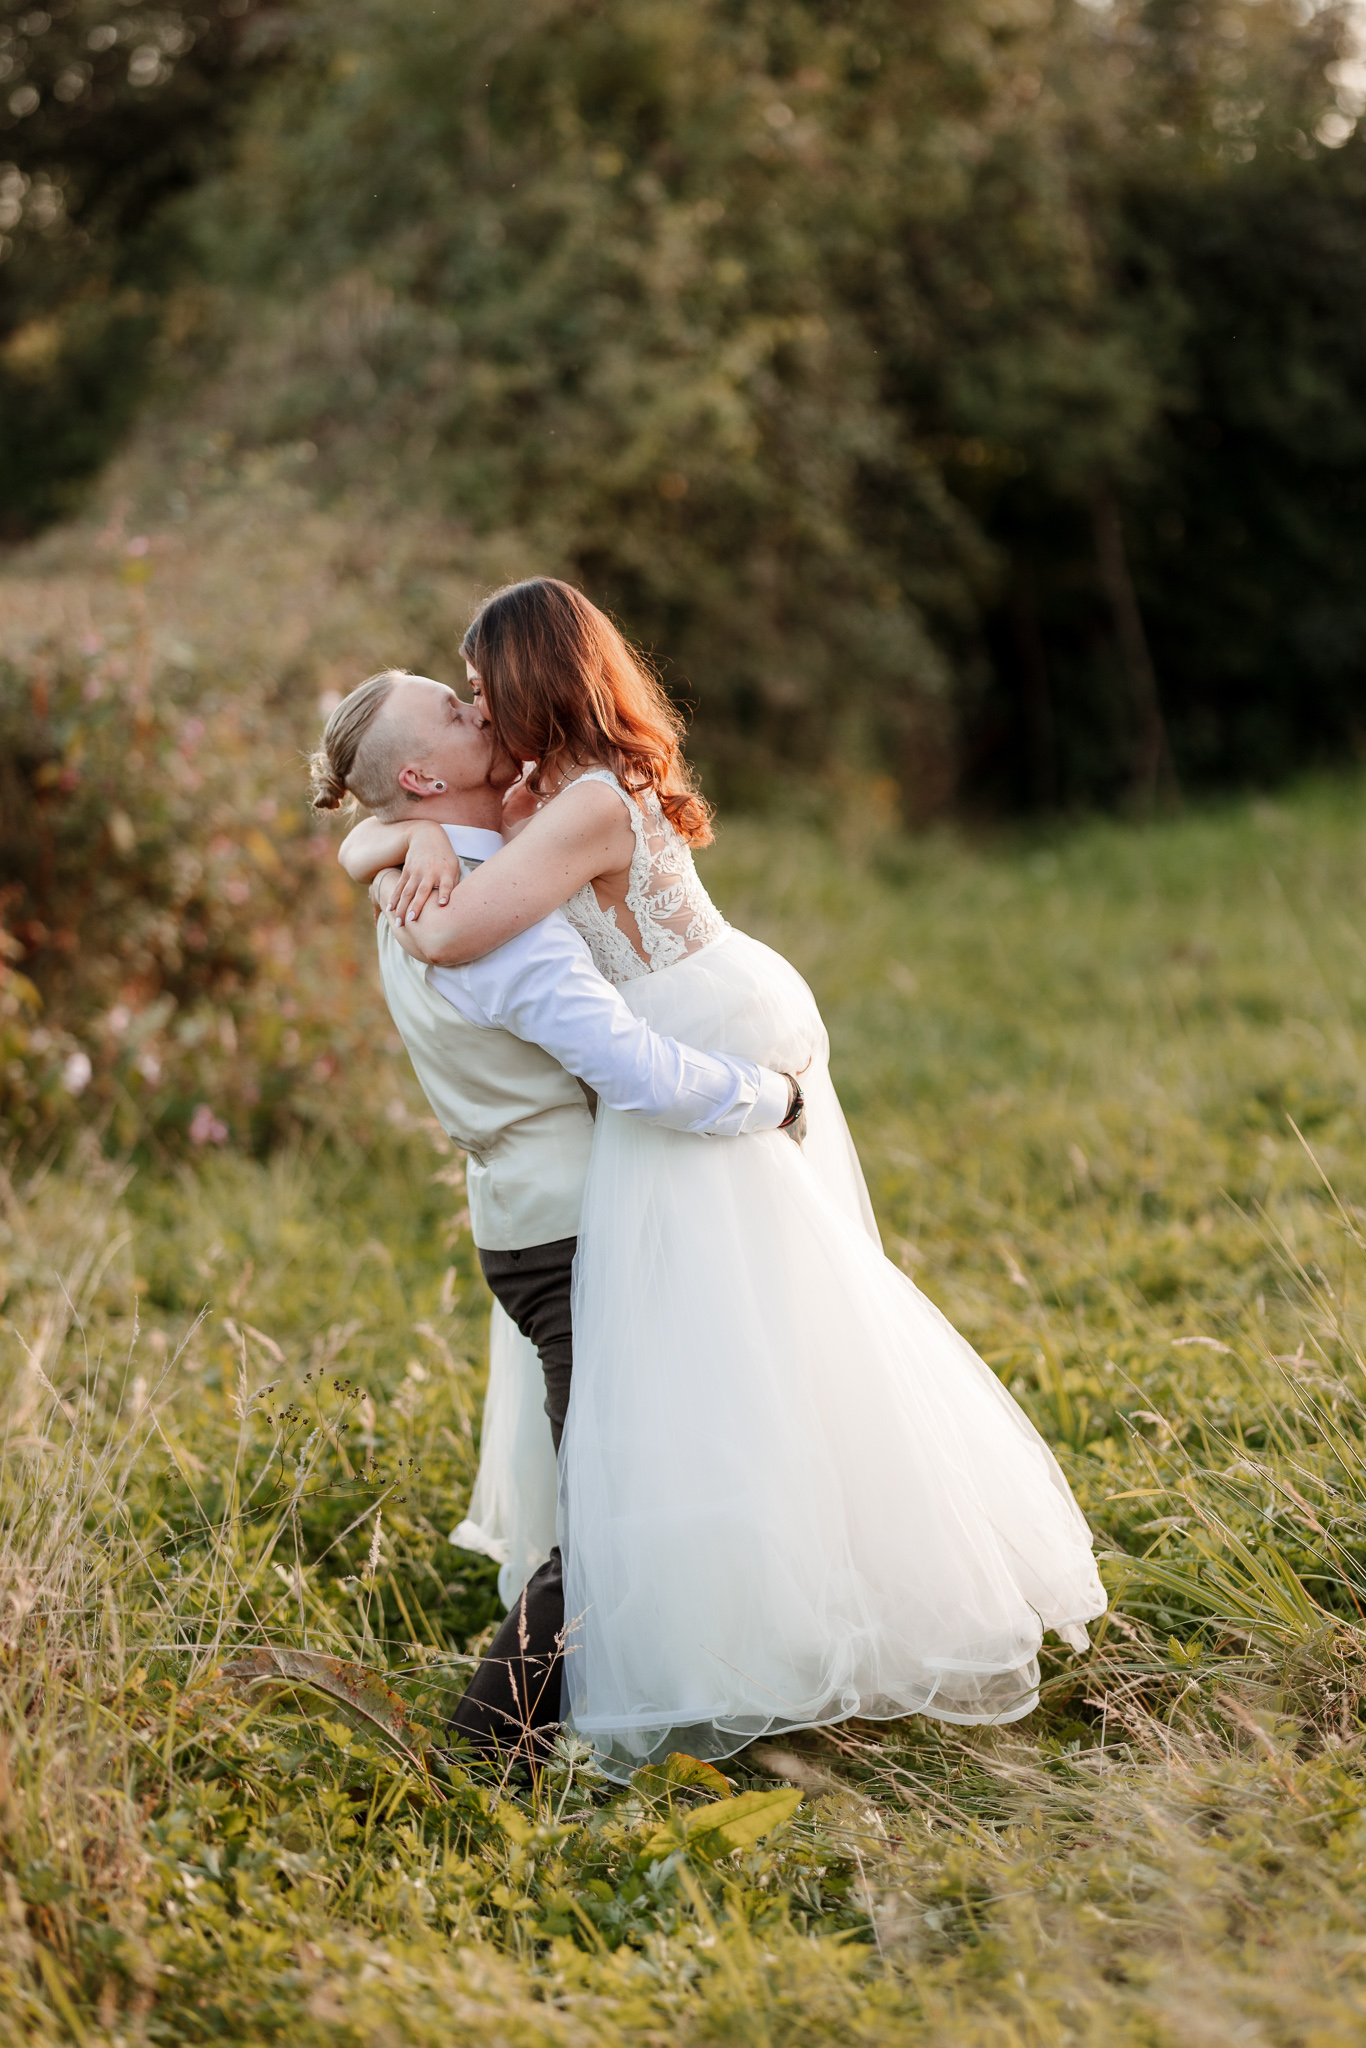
(673, 912)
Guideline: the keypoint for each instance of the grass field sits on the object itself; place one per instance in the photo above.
(1109, 1094)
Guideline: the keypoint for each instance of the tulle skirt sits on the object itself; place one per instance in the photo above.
(789, 1490)
(512, 1510)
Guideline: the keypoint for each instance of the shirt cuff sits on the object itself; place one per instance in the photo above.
(770, 1104)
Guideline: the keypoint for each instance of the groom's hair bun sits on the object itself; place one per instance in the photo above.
(350, 763)
(329, 789)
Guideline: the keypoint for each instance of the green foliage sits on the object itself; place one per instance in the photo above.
(102, 121)
(1233, 273)
(168, 975)
(913, 380)
(817, 344)
(1254, 532)
(579, 271)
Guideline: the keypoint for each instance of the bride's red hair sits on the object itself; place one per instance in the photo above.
(560, 682)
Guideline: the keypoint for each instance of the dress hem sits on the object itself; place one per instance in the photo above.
(621, 1772)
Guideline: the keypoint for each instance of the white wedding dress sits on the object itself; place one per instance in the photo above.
(789, 1490)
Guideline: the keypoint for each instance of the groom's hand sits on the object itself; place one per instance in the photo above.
(794, 1123)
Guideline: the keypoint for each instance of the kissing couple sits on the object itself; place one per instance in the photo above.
(788, 1490)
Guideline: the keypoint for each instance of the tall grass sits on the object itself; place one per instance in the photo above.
(1109, 1092)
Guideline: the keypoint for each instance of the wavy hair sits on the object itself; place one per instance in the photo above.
(559, 679)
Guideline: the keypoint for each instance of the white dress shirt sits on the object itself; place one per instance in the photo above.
(543, 987)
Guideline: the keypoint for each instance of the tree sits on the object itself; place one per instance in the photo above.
(1204, 566)
(872, 359)
(106, 113)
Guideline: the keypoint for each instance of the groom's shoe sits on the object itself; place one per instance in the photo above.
(511, 1709)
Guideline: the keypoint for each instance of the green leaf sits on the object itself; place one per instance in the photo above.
(513, 1822)
(363, 1697)
(727, 1824)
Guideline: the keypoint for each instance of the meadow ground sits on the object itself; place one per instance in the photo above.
(1109, 1094)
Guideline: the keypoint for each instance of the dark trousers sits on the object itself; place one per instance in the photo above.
(514, 1696)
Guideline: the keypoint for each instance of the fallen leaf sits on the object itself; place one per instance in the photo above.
(362, 1695)
(726, 1824)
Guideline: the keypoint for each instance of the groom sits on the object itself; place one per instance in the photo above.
(510, 1050)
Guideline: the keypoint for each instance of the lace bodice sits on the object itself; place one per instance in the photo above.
(673, 912)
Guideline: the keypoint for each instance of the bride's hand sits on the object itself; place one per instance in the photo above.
(383, 892)
(380, 889)
(431, 866)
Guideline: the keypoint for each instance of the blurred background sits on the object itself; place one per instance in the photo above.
(965, 402)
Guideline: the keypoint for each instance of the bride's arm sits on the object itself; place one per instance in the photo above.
(370, 846)
(421, 849)
(583, 834)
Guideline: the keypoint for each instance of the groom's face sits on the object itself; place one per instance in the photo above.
(445, 738)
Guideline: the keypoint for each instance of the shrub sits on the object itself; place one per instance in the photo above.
(176, 937)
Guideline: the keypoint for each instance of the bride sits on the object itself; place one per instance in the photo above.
(789, 1490)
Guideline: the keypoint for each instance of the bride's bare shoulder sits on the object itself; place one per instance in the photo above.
(586, 805)
(599, 789)
(580, 814)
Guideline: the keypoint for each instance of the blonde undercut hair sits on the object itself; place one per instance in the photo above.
(361, 753)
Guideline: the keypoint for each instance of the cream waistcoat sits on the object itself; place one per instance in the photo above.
(520, 1117)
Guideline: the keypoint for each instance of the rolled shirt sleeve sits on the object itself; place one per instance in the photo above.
(543, 987)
